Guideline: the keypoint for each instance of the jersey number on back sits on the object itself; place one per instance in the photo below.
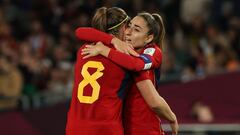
(92, 80)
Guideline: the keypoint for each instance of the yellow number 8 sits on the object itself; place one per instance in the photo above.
(90, 79)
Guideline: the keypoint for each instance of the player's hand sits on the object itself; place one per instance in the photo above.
(92, 50)
(124, 47)
(175, 127)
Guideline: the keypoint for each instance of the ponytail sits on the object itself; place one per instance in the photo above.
(99, 20)
(159, 39)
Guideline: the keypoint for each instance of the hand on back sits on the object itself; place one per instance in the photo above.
(93, 50)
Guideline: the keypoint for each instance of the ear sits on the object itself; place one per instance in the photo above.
(149, 39)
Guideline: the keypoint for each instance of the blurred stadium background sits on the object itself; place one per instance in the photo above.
(200, 73)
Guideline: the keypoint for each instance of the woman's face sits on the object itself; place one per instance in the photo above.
(137, 33)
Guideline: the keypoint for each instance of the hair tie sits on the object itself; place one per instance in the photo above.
(118, 24)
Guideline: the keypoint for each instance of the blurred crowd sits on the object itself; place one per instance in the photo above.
(38, 45)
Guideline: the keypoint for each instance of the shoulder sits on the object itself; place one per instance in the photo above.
(152, 56)
(152, 50)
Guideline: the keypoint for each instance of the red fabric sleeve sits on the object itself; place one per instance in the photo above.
(93, 35)
(142, 75)
(144, 62)
(126, 61)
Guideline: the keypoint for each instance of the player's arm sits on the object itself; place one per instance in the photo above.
(151, 57)
(155, 101)
(94, 35)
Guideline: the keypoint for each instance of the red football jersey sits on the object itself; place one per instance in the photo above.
(139, 119)
(96, 105)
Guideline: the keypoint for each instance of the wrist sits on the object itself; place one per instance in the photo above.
(101, 49)
(104, 50)
(174, 118)
(114, 41)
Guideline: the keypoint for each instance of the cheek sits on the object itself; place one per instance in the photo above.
(138, 41)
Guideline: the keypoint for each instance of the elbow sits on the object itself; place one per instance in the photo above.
(155, 102)
(134, 67)
(137, 67)
(164, 112)
(78, 33)
(156, 106)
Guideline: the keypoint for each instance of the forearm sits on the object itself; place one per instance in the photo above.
(126, 61)
(149, 59)
(93, 35)
(163, 110)
(155, 101)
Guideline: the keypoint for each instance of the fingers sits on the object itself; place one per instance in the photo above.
(87, 56)
(133, 53)
(85, 51)
(89, 52)
(127, 53)
(174, 127)
(88, 46)
(130, 51)
(175, 132)
(130, 45)
(124, 50)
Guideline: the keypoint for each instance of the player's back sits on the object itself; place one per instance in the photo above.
(96, 103)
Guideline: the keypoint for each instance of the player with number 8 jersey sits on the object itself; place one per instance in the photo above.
(97, 97)
(99, 86)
